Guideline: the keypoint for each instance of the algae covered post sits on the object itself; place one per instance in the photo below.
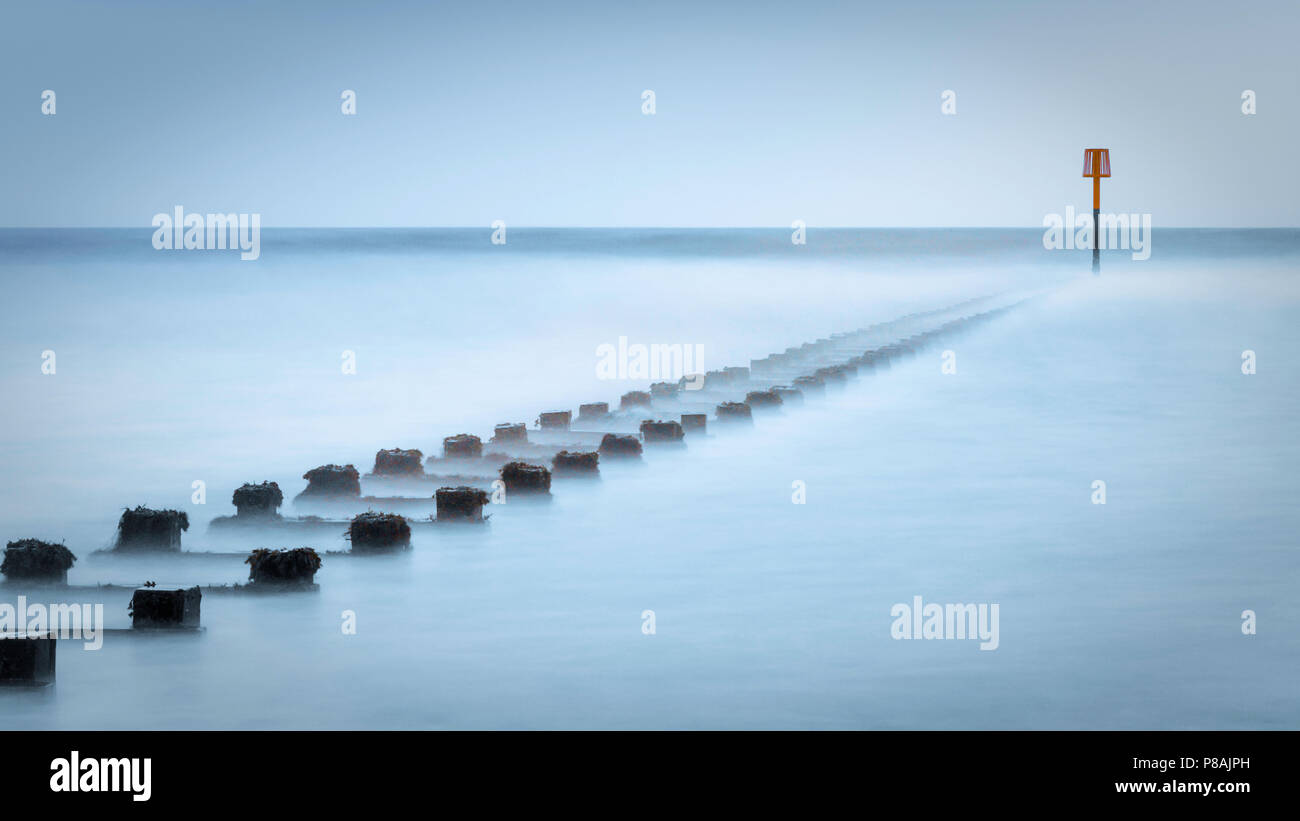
(460, 504)
(568, 463)
(658, 431)
(509, 433)
(146, 529)
(375, 532)
(35, 560)
(462, 446)
(253, 501)
(283, 567)
(523, 478)
(399, 462)
(734, 413)
(331, 482)
(617, 446)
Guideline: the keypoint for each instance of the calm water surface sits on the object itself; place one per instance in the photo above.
(970, 487)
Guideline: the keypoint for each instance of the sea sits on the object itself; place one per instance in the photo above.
(1112, 463)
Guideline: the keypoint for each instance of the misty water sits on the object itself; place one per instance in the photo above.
(975, 486)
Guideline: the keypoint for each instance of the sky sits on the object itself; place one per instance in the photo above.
(531, 112)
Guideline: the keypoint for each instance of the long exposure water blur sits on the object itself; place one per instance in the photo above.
(973, 486)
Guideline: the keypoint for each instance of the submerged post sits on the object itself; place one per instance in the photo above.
(28, 659)
(1096, 164)
(165, 607)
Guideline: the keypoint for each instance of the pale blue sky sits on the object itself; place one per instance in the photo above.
(530, 112)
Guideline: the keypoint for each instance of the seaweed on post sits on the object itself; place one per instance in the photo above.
(634, 399)
(735, 412)
(460, 504)
(35, 560)
(462, 446)
(763, 399)
(584, 464)
(509, 432)
(523, 478)
(616, 446)
(399, 462)
(555, 420)
(146, 529)
(332, 481)
(257, 501)
(656, 431)
(283, 567)
(373, 532)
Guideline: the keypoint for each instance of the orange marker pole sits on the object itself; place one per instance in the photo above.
(1096, 164)
(1096, 211)
(1096, 222)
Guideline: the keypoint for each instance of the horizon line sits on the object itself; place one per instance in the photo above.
(510, 227)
